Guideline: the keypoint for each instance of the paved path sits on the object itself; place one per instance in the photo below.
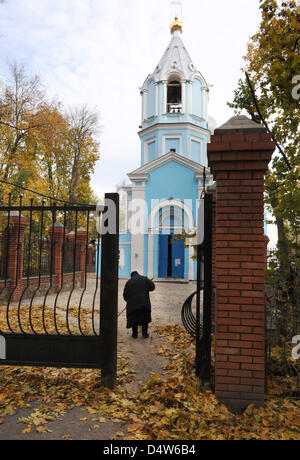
(167, 301)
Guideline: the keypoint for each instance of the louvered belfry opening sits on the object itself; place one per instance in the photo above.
(174, 97)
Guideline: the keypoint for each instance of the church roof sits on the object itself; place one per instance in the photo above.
(142, 173)
(175, 57)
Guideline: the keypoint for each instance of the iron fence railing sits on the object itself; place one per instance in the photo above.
(57, 320)
(2, 260)
(36, 258)
(283, 325)
(72, 254)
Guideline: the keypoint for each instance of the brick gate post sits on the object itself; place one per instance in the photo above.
(81, 237)
(58, 238)
(239, 154)
(16, 253)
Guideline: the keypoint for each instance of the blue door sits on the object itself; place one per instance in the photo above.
(178, 259)
(163, 256)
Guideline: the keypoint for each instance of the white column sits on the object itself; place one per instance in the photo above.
(165, 95)
(204, 103)
(183, 96)
(145, 105)
(138, 234)
(150, 254)
(191, 264)
(190, 111)
(156, 99)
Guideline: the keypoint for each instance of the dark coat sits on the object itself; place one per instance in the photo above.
(136, 294)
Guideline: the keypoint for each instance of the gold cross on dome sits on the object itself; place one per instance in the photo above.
(176, 8)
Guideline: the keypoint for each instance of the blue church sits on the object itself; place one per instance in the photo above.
(162, 199)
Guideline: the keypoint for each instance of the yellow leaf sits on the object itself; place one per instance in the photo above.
(27, 430)
(290, 415)
(91, 411)
(41, 429)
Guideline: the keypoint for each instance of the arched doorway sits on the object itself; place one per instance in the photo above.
(167, 255)
(171, 248)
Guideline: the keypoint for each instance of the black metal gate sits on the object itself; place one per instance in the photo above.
(43, 267)
(201, 328)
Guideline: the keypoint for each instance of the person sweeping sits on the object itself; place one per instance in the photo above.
(138, 307)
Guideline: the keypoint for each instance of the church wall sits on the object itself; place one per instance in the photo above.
(146, 256)
(173, 180)
(125, 238)
(183, 146)
(151, 99)
(186, 263)
(155, 255)
(154, 105)
(125, 258)
(197, 98)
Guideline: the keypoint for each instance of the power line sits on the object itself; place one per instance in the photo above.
(40, 194)
(265, 123)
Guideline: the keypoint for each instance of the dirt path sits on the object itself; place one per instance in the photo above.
(141, 354)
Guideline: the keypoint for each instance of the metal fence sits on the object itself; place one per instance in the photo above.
(49, 309)
(36, 257)
(283, 324)
(3, 263)
(69, 250)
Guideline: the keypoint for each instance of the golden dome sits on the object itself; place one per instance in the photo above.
(176, 25)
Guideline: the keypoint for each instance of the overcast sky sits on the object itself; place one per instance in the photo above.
(100, 52)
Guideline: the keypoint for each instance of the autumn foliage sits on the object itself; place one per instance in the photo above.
(44, 146)
(169, 406)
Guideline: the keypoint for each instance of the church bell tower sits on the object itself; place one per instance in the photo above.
(162, 199)
(175, 103)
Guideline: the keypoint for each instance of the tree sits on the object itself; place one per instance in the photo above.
(270, 95)
(21, 114)
(272, 63)
(82, 152)
(43, 146)
(51, 148)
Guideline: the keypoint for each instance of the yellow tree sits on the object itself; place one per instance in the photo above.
(21, 106)
(271, 93)
(82, 153)
(51, 153)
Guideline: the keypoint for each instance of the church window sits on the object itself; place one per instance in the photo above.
(173, 145)
(174, 102)
(196, 151)
(151, 151)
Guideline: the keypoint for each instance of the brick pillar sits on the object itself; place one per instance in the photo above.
(239, 156)
(90, 257)
(69, 249)
(16, 253)
(81, 238)
(58, 239)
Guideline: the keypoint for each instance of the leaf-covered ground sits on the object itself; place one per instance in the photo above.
(169, 406)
